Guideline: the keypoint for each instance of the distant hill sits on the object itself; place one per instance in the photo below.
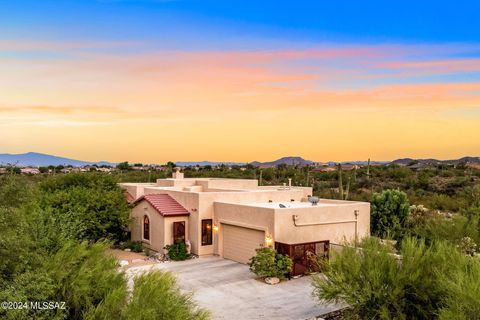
(409, 161)
(34, 159)
(285, 160)
(207, 163)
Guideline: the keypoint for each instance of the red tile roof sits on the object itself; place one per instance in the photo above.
(165, 205)
(129, 197)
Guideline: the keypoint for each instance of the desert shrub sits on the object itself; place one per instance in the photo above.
(390, 210)
(177, 251)
(85, 277)
(268, 263)
(436, 227)
(463, 291)
(379, 285)
(157, 296)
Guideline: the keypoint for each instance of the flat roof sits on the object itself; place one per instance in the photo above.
(289, 204)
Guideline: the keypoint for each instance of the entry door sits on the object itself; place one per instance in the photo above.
(179, 231)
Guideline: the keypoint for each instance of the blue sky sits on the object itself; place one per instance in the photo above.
(216, 21)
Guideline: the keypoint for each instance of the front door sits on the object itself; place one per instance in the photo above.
(179, 231)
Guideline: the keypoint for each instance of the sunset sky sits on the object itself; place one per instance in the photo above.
(152, 81)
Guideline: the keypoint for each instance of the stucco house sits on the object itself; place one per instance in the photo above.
(233, 217)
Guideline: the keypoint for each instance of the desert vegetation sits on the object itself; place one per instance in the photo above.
(54, 232)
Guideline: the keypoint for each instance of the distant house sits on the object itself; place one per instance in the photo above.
(30, 170)
(233, 217)
(324, 169)
(345, 167)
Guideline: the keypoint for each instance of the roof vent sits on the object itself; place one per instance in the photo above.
(313, 200)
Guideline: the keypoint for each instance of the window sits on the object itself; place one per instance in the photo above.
(207, 226)
(146, 228)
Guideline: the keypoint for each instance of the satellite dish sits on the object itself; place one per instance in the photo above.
(282, 206)
(313, 200)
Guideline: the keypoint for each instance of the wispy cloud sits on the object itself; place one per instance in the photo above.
(211, 98)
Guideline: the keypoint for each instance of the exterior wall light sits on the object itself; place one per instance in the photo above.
(268, 240)
(215, 228)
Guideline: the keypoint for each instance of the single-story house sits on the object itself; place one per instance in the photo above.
(233, 217)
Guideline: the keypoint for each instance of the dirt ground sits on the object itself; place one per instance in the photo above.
(134, 259)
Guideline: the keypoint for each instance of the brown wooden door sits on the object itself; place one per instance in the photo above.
(179, 231)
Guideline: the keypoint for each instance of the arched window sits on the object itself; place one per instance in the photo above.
(146, 228)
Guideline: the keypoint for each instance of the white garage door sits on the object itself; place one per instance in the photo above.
(239, 243)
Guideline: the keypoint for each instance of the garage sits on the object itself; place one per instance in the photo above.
(239, 243)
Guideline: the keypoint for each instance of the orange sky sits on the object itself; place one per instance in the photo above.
(322, 103)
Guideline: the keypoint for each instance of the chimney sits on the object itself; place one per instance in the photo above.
(177, 174)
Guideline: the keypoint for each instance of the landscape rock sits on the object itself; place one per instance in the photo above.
(272, 280)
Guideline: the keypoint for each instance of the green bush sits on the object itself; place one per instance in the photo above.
(389, 213)
(86, 206)
(268, 263)
(380, 285)
(157, 296)
(177, 251)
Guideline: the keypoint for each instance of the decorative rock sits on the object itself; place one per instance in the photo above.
(123, 263)
(127, 250)
(137, 260)
(272, 280)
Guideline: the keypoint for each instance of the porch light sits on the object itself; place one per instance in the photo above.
(215, 228)
(268, 240)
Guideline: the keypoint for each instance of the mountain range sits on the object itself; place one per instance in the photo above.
(407, 161)
(36, 159)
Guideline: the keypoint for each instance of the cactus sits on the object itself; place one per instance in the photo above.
(343, 194)
(340, 181)
(368, 169)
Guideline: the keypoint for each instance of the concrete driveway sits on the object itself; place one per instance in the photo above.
(230, 291)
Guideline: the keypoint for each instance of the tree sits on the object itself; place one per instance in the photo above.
(86, 206)
(123, 166)
(390, 210)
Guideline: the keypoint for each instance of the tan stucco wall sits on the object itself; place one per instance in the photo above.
(243, 216)
(279, 221)
(161, 228)
(136, 189)
(338, 232)
(156, 241)
(207, 209)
